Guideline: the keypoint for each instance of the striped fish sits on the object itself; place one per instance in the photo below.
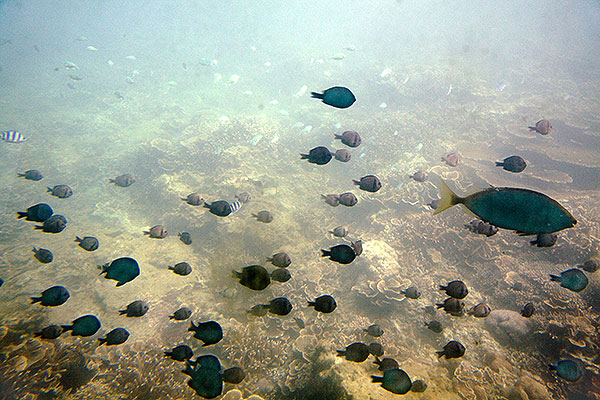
(12, 137)
(236, 205)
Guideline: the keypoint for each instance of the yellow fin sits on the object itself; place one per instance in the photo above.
(448, 200)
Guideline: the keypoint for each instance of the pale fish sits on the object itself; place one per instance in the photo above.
(131, 58)
(449, 90)
(350, 48)
(307, 128)
(301, 91)
(233, 79)
(172, 83)
(224, 118)
(218, 77)
(70, 65)
(92, 48)
(81, 38)
(338, 56)
(383, 105)
(385, 72)
(274, 102)
(267, 64)
(419, 147)
(298, 125)
(254, 141)
(110, 62)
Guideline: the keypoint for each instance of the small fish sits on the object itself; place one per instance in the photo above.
(331, 199)
(233, 79)
(357, 352)
(235, 206)
(83, 326)
(43, 255)
(61, 191)
(125, 180)
(157, 232)
(337, 96)
(338, 56)
(452, 159)
(347, 199)
(449, 90)
(32, 175)
(572, 279)
(500, 87)
(350, 138)
(341, 253)
(70, 65)
(568, 370)
(543, 127)
(81, 38)
(185, 237)
(452, 349)
(350, 48)
(75, 77)
(319, 155)
(383, 105)
(131, 58)
(254, 141)
(264, 216)
(419, 176)
(92, 48)
(115, 337)
(12, 137)
(528, 310)
(385, 72)
(181, 268)
(135, 309)
(514, 164)
(394, 380)
(181, 314)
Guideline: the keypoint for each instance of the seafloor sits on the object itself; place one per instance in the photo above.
(173, 151)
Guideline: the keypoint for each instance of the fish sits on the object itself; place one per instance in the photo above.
(125, 180)
(385, 72)
(181, 268)
(568, 370)
(319, 155)
(357, 352)
(347, 199)
(32, 175)
(70, 65)
(254, 277)
(208, 333)
(91, 48)
(235, 206)
(368, 183)
(122, 270)
(500, 86)
(115, 337)
(419, 176)
(514, 164)
(49, 332)
(263, 216)
(280, 260)
(60, 191)
(350, 138)
(135, 309)
(55, 224)
(325, 304)
(337, 96)
(157, 232)
(37, 213)
(331, 199)
(524, 211)
(452, 349)
(338, 56)
(278, 306)
(452, 159)
(52, 297)
(374, 330)
(301, 91)
(572, 279)
(220, 208)
(12, 137)
(88, 243)
(194, 199)
(185, 237)
(181, 314)
(544, 240)
(281, 275)
(386, 363)
(234, 375)
(456, 289)
(342, 155)
(180, 353)
(83, 326)
(394, 380)
(341, 253)
(43, 255)
(543, 127)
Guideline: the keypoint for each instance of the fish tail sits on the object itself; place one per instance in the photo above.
(443, 287)
(78, 239)
(376, 379)
(113, 181)
(21, 214)
(449, 198)
(341, 353)
(316, 95)
(206, 205)
(121, 312)
(168, 354)
(555, 278)
(49, 190)
(325, 253)
(303, 156)
(102, 341)
(533, 242)
(440, 305)
(66, 328)
(499, 164)
(552, 367)
(440, 354)
(532, 128)
(355, 182)
(38, 227)
(337, 136)
(20, 174)
(35, 299)
(311, 303)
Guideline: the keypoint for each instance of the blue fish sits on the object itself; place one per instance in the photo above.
(12, 137)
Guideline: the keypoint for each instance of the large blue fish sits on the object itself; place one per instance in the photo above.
(12, 137)
(525, 211)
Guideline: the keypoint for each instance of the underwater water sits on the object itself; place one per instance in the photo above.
(214, 98)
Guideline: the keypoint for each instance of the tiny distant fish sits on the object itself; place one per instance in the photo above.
(338, 56)
(500, 86)
(12, 137)
(131, 58)
(449, 90)
(385, 72)
(92, 48)
(75, 77)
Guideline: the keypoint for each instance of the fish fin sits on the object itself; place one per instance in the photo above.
(35, 299)
(355, 182)
(376, 379)
(555, 278)
(121, 312)
(341, 353)
(449, 198)
(325, 253)
(66, 328)
(303, 156)
(532, 128)
(499, 164)
(316, 95)
(533, 242)
(440, 354)
(524, 234)
(311, 303)
(471, 213)
(21, 214)
(49, 190)
(78, 239)
(120, 283)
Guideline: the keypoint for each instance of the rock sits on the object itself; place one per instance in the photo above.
(535, 390)
(508, 323)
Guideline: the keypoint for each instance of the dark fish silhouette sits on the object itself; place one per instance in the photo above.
(122, 270)
(572, 279)
(374, 330)
(88, 243)
(331, 199)
(281, 260)
(481, 310)
(357, 352)
(337, 96)
(568, 370)
(325, 304)
(369, 183)
(482, 228)
(263, 216)
(419, 176)
(254, 277)
(376, 349)
(207, 332)
(456, 289)
(434, 326)
(452, 349)
(181, 314)
(512, 164)
(52, 297)
(278, 306)
(319, 155)
(234, 375)
(135, 309)
(54, 224)
(394, 380)
(83, 326)
(43, 255)
(525, 211)
(185, 237)
(50, 332)
(452, 306)
(590, 266)
(37, 213)
(180, 353)
(528, 310)
(220, 208)
(281, 275)
(452, 159)
(341, 253)
(347, 199)
(544, 240)
(181, 268)
(115, 337)
(386, 363)
(342, 155)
